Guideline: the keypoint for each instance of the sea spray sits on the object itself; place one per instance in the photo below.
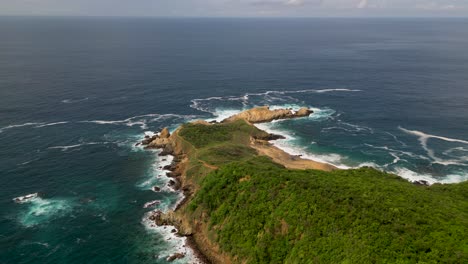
(287, 144)
(158, 181)
(39, 210)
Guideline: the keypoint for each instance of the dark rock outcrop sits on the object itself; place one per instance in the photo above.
(175, 256)
(269, 137)
(165, 133)
(422, 183)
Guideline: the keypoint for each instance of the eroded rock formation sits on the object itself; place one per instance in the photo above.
(265, 114)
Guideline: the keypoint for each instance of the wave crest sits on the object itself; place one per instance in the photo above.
(140, 120)
(424, 138)
(248, 100)
(65, 148)
(40, 210)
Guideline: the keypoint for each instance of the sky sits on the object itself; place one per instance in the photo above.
(236, 8)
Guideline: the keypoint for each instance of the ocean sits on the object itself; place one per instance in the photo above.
(76, 94)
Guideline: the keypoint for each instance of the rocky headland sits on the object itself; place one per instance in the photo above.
(173, 144)
(210, 217)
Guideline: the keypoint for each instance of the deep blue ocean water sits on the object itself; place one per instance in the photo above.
(76, 94)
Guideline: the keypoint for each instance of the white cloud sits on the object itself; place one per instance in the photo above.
(362, 4)
(294, 2)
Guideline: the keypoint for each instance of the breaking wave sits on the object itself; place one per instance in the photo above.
(33, 124)
(65, 148)
(290, 147)
(19, 125)
(213, 104)
(70, 101)
(52, 124)
(431, 179)
(141, 120)
(423, 138)
(40, 210)
(173, 242)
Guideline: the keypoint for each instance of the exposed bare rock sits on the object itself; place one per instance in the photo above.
(171, 219)
(175, 256)
(201, 122)
(159, 143)
(265, 114)
(304, 111)
(422, 183)
(165, 133)
(149, 139)
(269, 136)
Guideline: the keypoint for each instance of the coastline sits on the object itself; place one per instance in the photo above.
(215, 151)
(288, 160)
(204, 251)
(183, 247)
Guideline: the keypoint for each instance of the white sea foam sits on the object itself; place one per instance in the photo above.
(289, 147)
(200, 104)
(27, 162)
(150, 133)
(414, 176)
(222, 114)
(175, 243)
(25, 198)
(395, 160)
(33, 124)
(20, 125)
(395, 151)
(46, 245)
(329, 90)
(457, 152)
(140, 120)
(337, 90)
(350, 128)
(52, 124)
(424, 136)
(70, 101)
(368, 164)
(396, 138)
(157, 174)
(40, 210)
(248, 100)
(423, 139)
(321, 114)
(65, 148)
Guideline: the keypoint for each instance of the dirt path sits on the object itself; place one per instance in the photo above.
(289, 161)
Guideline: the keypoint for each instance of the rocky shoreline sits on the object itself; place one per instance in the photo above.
(166, 144)
(170, 144)
(194, 159)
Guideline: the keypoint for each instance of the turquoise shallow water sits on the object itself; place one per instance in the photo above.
(76, 95)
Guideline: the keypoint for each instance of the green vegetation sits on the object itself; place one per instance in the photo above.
(260, 212)
(216, 145)
(237, 132)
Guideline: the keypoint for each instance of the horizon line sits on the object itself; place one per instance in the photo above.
(231, 17)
